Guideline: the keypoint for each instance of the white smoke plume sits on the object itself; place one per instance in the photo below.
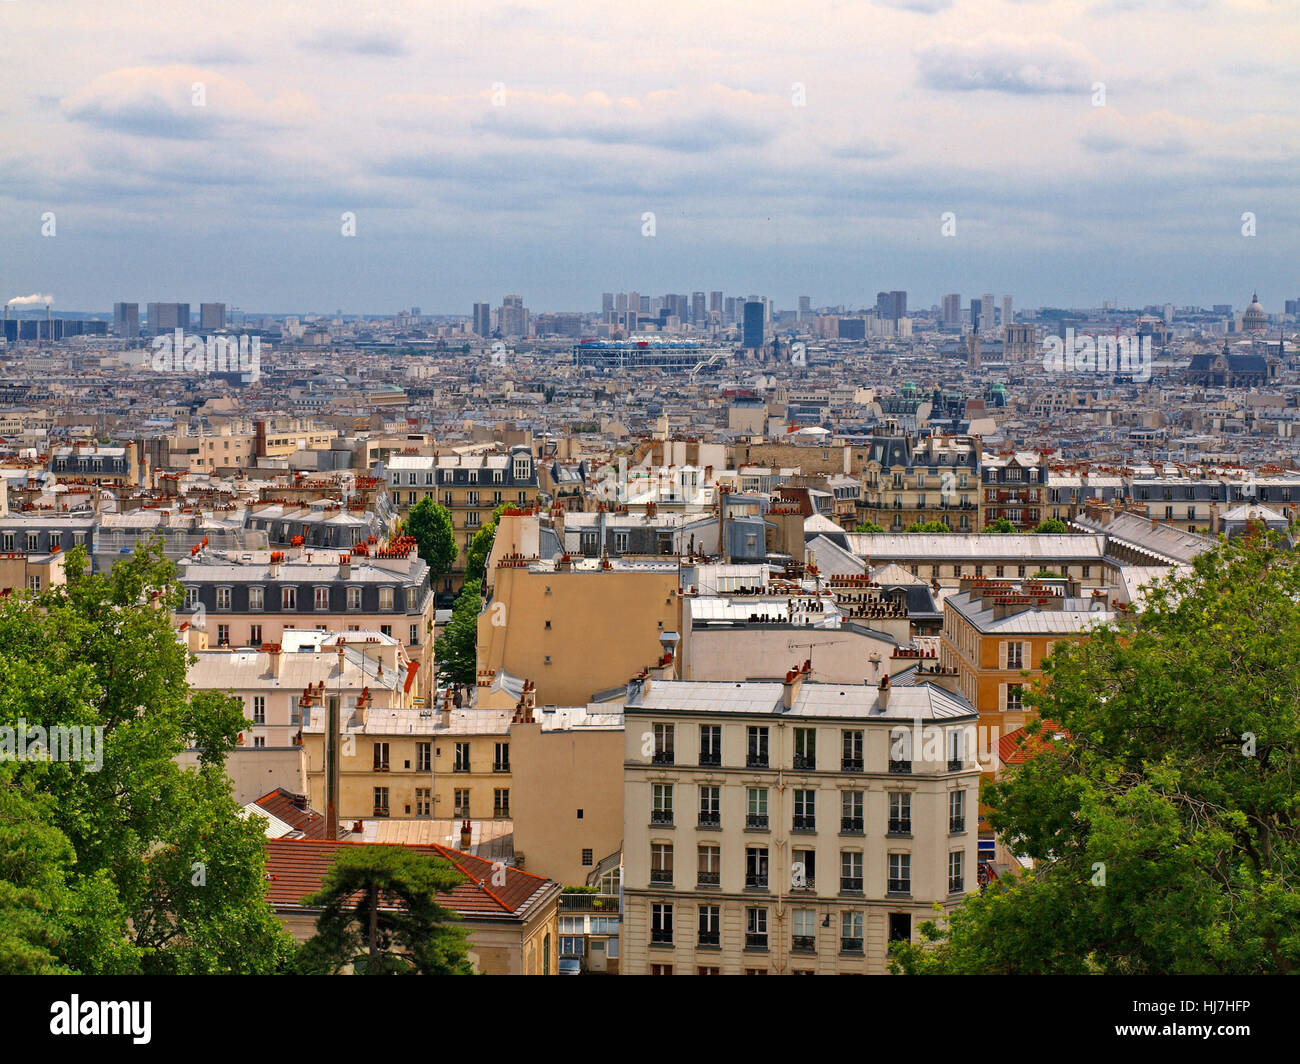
(30, 301)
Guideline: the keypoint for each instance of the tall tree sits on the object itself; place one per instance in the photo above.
(163, 852)
(381, 915)
(1001, 526)
(1052, 526)
(456, 650)
(476, 555)
(435, 536)
(1163, 820)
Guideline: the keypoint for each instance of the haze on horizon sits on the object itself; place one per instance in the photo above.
(513, 147)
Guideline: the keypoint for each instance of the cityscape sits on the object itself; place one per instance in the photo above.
(580, 630)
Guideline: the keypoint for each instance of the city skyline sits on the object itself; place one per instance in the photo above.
(1071, 167)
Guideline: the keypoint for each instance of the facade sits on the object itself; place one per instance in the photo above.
(790, 827)
(935, 478)
(1013, 488)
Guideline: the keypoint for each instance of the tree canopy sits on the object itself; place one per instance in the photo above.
(1001, 526)
(928, 526)
(1161, 811)
(1052, 526)
(869, 527)
(456, 650)
(381, 916)
(435, 536)
(480, 547)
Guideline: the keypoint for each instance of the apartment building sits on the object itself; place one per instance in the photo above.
(95, 464)
(1013, 488)
(791, 827)
(936, 478)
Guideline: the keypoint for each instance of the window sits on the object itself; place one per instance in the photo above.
(500, 802)
(900, 751)
(386, 629)
(191, 598)
(385, 598)
(804, 928)
(756, 867)
(850, 932)
(223, 635)
(423, 757)
(381, 801)
(757, 751)
(850, 872)
(710, 807)
(900, 927)
(956, 811)
(851, 751)
(259, 741)
(1015, 699)
(661, 923)
(663, 735)
(803, 869)
(756, 817)
(900, 873)
(661, 863)
(955, 878)
(588, 858)
(709, 865)
(460, 802)
(322, 598)
(805, 748)
(805, 810)
(501, 758)
(354, 598)
(259, 709)
(33, 540)
(223, 598)
(710, 926)
(461, 763)
(414, 641)
(473, 519)
(661, 969)
(255, 635)
(661, 808)
(380, 756)
(900, 813)
(710, 744)
(288, 598)
(756, 929)
(851, 816)
(423, 801)
(1015, 656)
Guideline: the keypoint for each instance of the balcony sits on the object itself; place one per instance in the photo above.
(805, 823)
(710, 938)
(661, 876)
(710, 759)
(461, 768)
(851, 825)
(805, 761)
(583, 903)
(710, 820)
(663, 757)
(850, 945)
(850, 884)
(756, 881)
(955, 764)
(756, 941)
(900, 825)
(381, 767)
(956, 825)
(661, 938)
(803, 944)
(900, 886)
(381, 811)
(900, 768)
(955, 886)
(708, 879)
(756, 821)
(661, 817)
(851, 764)
(756, 761)
(497, 766)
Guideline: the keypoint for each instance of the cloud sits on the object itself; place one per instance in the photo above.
(346, 41)
(999, 62)
(181, 102)
(922, 7)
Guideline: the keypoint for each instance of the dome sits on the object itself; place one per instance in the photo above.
(1255, 316)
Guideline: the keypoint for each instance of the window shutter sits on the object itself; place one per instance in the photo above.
(1002, 655)
(1002, 697)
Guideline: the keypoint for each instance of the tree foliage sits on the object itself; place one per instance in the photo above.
(1052, 526)
(1163, 820)
(146, 867)
(869, 527)
(928, 526)
(476, 555)
(435, 536)
(381, 916)
(1001, 526)
(456, 650)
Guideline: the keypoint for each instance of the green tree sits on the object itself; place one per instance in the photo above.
(476, 554)
(435, 536)
(1046, 574)
(1001, 526)
(158, 854)
(549, 392)
(1052, 526)
(1162, 820)
(869, 527)
(380, 914)
(456, 650)
(928, 526)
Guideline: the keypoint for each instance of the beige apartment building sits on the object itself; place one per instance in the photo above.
(935, 478)
(791, 827)
(576, 626)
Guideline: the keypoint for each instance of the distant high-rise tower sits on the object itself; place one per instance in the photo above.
(606, 304)
(212, 316)
(514, 316)
(805, 307)
(1007, 316)
(698, 313)
(715, 302)
(976, 315)
(483, 319)
(753, 325)
(620, 303)
(126, 320)
(164, 317)
(891, 306)
(988, 311)
(952, 309)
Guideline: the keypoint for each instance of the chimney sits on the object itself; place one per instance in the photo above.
(466, 835)
(882, 695)
(793, 681)
(345, 566)
(276, 652)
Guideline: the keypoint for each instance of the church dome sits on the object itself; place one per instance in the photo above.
(1255, 317)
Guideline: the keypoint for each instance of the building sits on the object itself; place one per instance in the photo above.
(935, 478)
(891, 306)
(164, 317)
(483, 319)
(1014, 489)
(126, 320)
(753, 328)
(509, 914)
(1231, 370)
(212, 317)
(791, 827)
(952, 309)
(513, 317)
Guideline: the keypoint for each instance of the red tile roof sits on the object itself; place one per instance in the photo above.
(294, 811)
(1013, 751)
(297, 867)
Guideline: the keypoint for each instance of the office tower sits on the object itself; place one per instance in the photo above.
(606, 304)
(126, 320)
(415, 312)
(891, 306)
(729, 310)
(715, 301)
(514, 316)
(952, 309)
(629, 321)
(697, 307)
(483, 319)
(976, 314)
(164, 317)
(989, 307)
(1007, 315)
(620, 303)
(753, 324)
(805, 307)
(644, 305)
(212, 316)
(634, 303)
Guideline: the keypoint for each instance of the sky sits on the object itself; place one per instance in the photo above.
(1078, 151)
